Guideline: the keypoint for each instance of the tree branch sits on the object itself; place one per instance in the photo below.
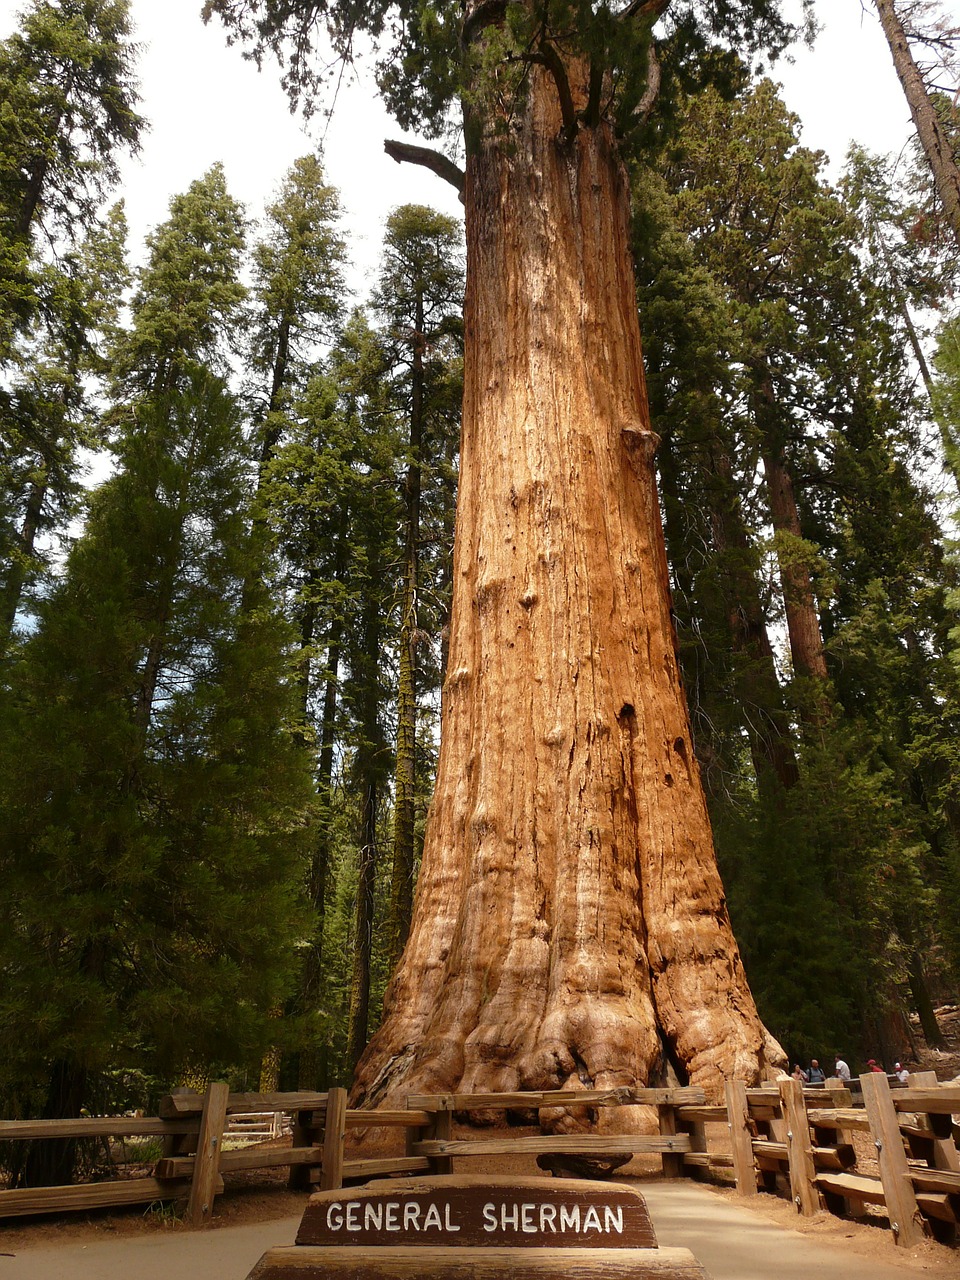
(436, 162)
(652, 9)
(548, 57)
(654, 77)
(591, 113)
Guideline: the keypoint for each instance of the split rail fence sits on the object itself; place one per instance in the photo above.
(781, 1138)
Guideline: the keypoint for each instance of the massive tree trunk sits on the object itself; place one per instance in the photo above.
(569, 922)
(935, 143)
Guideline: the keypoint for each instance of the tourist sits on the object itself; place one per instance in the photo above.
(872, 1065)
(816, 1073)
(798, 1073)
(901, 1072)
(841, 1070)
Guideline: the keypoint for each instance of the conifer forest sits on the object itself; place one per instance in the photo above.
(672, 723)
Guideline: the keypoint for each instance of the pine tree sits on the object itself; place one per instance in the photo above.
(298, 292)
(69, 107)
(153, 790)
(329, 492)
(189, 300)
(153, 803)
(48, 410)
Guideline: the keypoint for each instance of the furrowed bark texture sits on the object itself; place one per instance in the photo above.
(569, 923)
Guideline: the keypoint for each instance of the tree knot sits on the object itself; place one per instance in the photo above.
(641, 444)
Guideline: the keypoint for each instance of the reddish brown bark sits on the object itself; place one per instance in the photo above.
(569, 923)
(935, 143)
(799, 601)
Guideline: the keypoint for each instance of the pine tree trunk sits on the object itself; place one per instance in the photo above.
(368, 774)
(569, 922)
(404, 797)
(16, 579)
(922, 1003)
(311, 977)
(936, 145)
(799, 602)
(758, 688)
(51, 1163)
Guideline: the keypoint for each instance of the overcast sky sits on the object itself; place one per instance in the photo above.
(205, 103)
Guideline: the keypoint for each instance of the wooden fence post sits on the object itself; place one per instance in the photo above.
(698, 1143)
(206, 1169)
(671, 1161)
(441, 1130)
(894, 1170)
(803, 1188)
(741, 1137)
(179, 1144)
(334, 1132)
(939, 1149)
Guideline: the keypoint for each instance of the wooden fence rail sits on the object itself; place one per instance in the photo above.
(782, 1138)
(802, 1139)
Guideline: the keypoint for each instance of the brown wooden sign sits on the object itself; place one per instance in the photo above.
(478, 1228)
(473, 1211)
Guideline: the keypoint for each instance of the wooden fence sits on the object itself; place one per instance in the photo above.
(803, 1139)
(781, 1138)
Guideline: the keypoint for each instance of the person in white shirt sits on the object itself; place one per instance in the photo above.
(841, 1070)
(901, 1073)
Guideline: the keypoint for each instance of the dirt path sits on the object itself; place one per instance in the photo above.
(732, 1242)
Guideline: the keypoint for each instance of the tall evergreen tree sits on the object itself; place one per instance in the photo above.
(330, 494)
(153, 790)
(47, 408)
(153, 803)
(298, 295)
(69, 107)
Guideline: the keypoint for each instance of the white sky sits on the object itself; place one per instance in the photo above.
(206, 103)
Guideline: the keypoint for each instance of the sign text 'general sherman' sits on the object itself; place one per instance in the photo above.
(504, 1218)
(475, 1211)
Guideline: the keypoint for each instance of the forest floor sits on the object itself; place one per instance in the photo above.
(262, 1196)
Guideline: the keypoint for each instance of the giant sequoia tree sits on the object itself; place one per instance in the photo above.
(570, 924)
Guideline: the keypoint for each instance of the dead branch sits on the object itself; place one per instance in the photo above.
(435, 161)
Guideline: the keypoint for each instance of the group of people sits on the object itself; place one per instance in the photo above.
(815, 1074)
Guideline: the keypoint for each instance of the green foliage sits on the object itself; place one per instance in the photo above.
(46, 407)
(946, 395)
(188, 300)
(298, 285)
(67, 107)
(151, 793)
(156, 800)
(434, 53)
(833, 805)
